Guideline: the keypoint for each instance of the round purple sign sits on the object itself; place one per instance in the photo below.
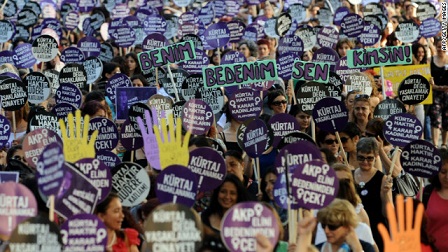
(327, 36)
(429, 28)
(61, 110)
(87, 228)
(352, 25)
(131, 181)
(330, 114)
(245, 104)
(5, 131)
(197, 116)
(243, 221)
(232, 57)
(209, 167)
(90, 46)
(370, 35)
(130, 138)
(285, 62)
(153, 41)
(109, 158)
(401, 129)
(294, 154)
(420, 158)
(282, 125)
(290, 44)
(177, 184)
(217, 35)
(314, 184)
(50, 169)
(72, 55)
(255, 139)
(68, 93)
(35, 142)
(341, 12)
(98, 174)
(107, 133)
(118, 80)
(23, 56)
(71, 20)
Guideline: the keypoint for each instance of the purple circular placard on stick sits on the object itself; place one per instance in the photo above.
(90, 46)
(107, 133)
(291, 44)
(217, 35)
(71, 20)
(73, 73)
(194, 66)
(328, 37)
(131, 181)
(388, 107)
(401, 129)
(352, 25)
(50, 169)
(153, 41)
(250, 33)
(130, 138)
(63, 109)
(118, 80)
(207, 13)
(6, 57)
(232, 57)
(236, 29)
(294, 137)
(45, 48)
(124, 35)
(370, 35)
(154, 24)
(38, 87)
(407, 32)
(243, 221)
(314, 184)
(72, 55)
(420, 158)
(298, 153)
(109, 158)
(255, 139)
(285, 62)
(87, 228)
(5, 131)
(209, 167)
(414, 89)
(13, 94)
(282, 125)
(341, 12)
(330, 114)
(35, 142)
(177, 184)
(245, 104)
(181, 222)
(98, 174)
(328, 55)
(197, 116)
(18, 204)
(68, 93)
(429, 28)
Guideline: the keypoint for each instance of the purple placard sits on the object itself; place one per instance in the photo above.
(209, 167)
(50, 169)
(314, 184)
(71, 20)
(255, 138)
(330, 114)
(407, 32)
(282, 125)
(245, 104)
(207, 13)
(72, 55)
(9, 176)
(86, 5)
(130, 138)
(153, 41)
(90, 46)
(281, 193)
(63, 109)
(87, 228)
(328, 55)
(7, 57)
(290, 44)
(352, 25)
(124, 35)
(73, 73)
(107, 133)
(194, 66)
(243, 221)
(129, 96)
(98, 174)
(429, 28)
(232, 57)
(13, 94)
(175, 219)
(18, 204)
(217, 35)
(401, 129)
(5, 131)
(420, 158)
(298, 153)
(370, 35)
(341, 12)
(220, 8)
(7, 29)
(197, 116)
(188, 28)
(109, 158)
(308, 36)
(131, 181)
(76, 193)
(154, 24)
(328, 37)
(250, 33)
(23, 56)
(35, 142)
(177, 184)
(343, 70)
(118, 80)
(236, 29)
(188, 17)
(68, 93)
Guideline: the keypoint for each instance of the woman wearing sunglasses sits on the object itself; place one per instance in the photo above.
(339, 220)
(372, 186)
(362, 111)
(277, 102)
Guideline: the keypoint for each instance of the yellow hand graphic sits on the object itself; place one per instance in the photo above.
(77, 146)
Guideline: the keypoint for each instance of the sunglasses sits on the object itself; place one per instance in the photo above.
(331, 141)
(330, 227)
(362, 158)
(278, 103)
(361, 96)
(344, 139)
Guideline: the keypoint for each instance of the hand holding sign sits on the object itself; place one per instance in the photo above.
(78, 146)
(402, 238)
(149, 139)
(173, 150)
